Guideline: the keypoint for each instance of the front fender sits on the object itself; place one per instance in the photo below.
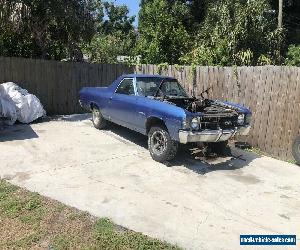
(173, 125)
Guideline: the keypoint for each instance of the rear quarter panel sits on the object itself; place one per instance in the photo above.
(95, 95)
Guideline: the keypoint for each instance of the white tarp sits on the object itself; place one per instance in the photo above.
(8, 109)
(17, 104)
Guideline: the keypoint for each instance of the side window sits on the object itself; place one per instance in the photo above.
(126, 87)
(147, 86)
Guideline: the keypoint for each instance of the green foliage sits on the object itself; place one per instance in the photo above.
(46, 29)
(27, 210)
(244, 57)
(115, 36)
(106, 48)
(11, 207)
(118, 19)
(163, 37)
(62, 242)
(236, 32)
(264, 60)
(34, 202)
(293, 56)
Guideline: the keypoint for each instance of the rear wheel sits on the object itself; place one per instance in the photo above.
(98, 120)
(161, 146)
(296, 150)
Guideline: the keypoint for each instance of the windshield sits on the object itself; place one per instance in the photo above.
(148, 86)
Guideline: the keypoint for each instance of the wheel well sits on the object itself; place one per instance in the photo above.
(154, 121)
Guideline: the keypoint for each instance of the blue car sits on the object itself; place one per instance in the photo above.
(159, 107)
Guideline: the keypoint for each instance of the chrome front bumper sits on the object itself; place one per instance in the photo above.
(211, 135)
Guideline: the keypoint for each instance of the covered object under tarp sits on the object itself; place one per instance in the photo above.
(16, 104)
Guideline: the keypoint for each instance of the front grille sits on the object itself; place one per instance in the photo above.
(219, 122)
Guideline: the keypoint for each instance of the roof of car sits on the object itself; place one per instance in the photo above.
(145, 75)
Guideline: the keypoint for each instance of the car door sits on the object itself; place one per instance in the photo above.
(145, 86)
(121, 106)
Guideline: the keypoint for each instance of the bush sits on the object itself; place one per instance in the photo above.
(293, 55)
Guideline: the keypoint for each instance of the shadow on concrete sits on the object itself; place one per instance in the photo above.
(192, 157)
(127, 134)
(17, 132)
(71, 118)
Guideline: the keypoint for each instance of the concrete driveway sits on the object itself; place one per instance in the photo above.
(193, 203)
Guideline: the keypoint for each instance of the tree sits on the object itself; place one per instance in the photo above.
(106, 48)
(162, 35)
(291, 19)
(115, 36)
(237, 32)
(118, 19)
(194, 12)
(46, 29)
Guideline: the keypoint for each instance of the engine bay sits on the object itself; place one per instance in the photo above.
(208, 107)
(216, 115)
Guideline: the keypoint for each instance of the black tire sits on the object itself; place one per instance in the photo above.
(219, 148)
(165, 149)
(98, 120)
(296, 150)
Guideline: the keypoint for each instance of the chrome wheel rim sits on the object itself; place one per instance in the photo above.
(158, 142)
(96, 116)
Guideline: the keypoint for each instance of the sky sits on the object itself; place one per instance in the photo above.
(133, 6)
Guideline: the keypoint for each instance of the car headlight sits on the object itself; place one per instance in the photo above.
(248, 119)
(241, 119)
(194, 123)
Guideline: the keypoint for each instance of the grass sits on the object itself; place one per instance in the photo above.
(30, 221)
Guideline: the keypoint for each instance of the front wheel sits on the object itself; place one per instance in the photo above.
(161, 146)
(296, 150)
(98, 120)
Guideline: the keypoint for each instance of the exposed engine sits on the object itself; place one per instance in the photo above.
(216, 114)
(208, 107)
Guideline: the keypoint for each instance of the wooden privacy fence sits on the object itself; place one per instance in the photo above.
(272, 92)
(57, 83)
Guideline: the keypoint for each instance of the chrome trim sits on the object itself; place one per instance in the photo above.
(84, 105)
(126, 78)
(211, 135)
